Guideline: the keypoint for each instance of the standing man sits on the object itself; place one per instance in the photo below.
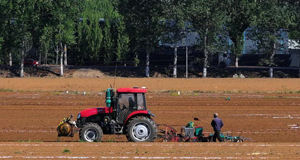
(217, 124)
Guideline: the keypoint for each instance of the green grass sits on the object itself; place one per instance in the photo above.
(137, 151)
(174, 94)
(271, 97)
(171, 91)
(6, 90)
(18, 152)
(111, 140)
(29, 140)
(198, 91)
(56, 93)
(66, 151)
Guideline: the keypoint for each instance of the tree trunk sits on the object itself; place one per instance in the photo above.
(57, 50)
(238, 42)
(147, 48)
(10, 59)
(40, 58)
(271, 72)
(186, 62)
(205, 65)
(175, 62)
(147, 63)
(205, 55)
(136, 58)
(46, 57)
(61, 65)
(272, 55)
(22, 59)
(61, 60)
(236, 61)
(65, 56)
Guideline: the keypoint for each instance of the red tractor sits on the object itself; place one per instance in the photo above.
(125, 113)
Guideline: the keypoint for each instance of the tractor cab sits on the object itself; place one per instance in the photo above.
(129, 100)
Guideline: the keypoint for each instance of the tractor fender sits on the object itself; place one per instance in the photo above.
(137, 113)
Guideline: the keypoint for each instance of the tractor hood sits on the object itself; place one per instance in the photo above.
(95, 111)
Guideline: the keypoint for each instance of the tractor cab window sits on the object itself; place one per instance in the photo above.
(141, 101)
(126, 101)
(126, 105)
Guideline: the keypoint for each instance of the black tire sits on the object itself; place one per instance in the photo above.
(141, 129)
(91, 132)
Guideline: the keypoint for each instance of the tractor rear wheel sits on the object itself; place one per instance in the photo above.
(91, 132)
(141, 129)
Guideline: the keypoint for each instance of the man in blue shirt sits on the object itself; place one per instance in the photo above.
(217, 124)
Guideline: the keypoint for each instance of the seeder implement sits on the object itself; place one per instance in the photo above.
(190, 133)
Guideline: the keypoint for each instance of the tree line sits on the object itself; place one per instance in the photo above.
(120, 31)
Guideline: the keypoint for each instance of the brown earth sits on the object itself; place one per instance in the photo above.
(267, 111)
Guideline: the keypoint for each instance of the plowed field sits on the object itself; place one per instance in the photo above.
(266, 111)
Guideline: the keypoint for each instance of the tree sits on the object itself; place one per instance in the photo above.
(101, 33)
(8, 31)
(23, 11)
(64, 15)
(2, 16)
(273, 18)
(174, 26)
(142, 18)
(294, 28)
(240, 15)
(208, 19)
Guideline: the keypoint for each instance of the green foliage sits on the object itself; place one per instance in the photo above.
(29, 140)
(142, 20)
(208, 18)
(294, 27)
(240, 14)
(272, 18)
(105, 39)
(6, 90)
(66, 151)
(174, 26)
(1, 41)
(132, 28)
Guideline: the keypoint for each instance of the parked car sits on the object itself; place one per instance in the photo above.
(30, 62)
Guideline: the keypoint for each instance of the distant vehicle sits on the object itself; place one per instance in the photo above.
(30, 62)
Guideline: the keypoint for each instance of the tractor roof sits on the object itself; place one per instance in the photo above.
(132, 90)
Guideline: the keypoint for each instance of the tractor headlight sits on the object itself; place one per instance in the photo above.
(78, 116)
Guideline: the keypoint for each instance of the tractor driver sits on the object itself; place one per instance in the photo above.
(131, 103)
(127, 108)
(217, 124)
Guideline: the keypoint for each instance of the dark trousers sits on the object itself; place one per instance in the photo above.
(217, 135)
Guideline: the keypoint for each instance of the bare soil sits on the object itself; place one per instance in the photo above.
(266, 111)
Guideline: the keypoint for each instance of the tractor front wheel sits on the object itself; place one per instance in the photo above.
(141, 129)
(91, 132)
